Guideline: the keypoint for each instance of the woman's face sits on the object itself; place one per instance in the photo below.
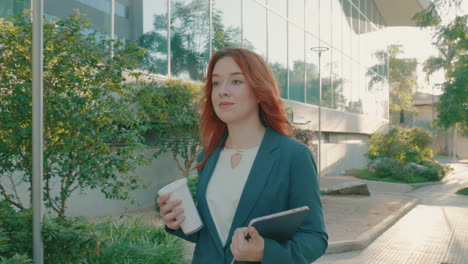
(233, 99)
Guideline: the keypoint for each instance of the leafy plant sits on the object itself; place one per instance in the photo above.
(92, 138)
(451, 40)
(403, 145)
(463, 191)
(171, 111)
(135, 242)
(76, 240)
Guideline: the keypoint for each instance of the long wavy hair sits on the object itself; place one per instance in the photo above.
(261, 80)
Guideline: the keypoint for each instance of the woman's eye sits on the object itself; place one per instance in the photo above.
(215, 84)
(236, 82)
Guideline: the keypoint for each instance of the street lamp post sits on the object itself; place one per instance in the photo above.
(319, 49)
(37, 129)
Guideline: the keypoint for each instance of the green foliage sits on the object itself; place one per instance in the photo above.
(305, 136)
(463, 191)
(451, 40)
(16, 259)
(76, 240)
(171, 111)
(65, 241)
(135, 242)
(403, 145)
(92, 138)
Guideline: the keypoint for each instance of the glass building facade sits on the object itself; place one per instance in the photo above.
(283, 32)
(353, 70)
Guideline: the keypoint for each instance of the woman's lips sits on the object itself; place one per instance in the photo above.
(225, 104)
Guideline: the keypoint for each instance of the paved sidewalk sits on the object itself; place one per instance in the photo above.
(436, 231)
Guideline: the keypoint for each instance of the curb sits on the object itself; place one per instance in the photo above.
(370, 235)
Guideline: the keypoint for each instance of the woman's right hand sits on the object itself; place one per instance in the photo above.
(168, 214)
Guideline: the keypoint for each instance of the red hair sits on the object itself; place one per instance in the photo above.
(261, 80)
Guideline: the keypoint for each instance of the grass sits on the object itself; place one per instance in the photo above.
(463, 191)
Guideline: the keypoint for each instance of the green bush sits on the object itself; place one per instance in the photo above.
(65, 240)
(192, 184)
(403, 145)
(76, 240)
(463, 191)
(387, 169)
(135, 242)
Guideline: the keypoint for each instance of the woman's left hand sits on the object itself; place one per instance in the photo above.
(247, 250)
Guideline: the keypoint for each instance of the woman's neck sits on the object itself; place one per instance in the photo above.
(242, 136)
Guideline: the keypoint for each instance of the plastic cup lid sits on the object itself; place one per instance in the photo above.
(173, 186)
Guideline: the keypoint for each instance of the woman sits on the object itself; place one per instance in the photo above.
(250, 167)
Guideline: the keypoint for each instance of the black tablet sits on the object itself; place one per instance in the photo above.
(280, 226)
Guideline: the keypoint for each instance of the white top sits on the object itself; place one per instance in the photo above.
(226, 186)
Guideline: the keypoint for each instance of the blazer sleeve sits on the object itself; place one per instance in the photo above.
(311, 240)
(179, 233)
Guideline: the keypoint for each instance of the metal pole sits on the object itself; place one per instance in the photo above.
(211, 30)
(320, 119)
(320, 50)
(432, 126)
(169, 38)
(37, 131)
(112, 11)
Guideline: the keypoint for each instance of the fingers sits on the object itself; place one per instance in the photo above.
(171, 217)
(176, 224)
(253, 233)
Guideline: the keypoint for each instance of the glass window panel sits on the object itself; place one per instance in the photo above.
(277, 51)
(312, 17)
(312, 70)
(325, 21)
(95, 11)
(337, 80)
(347, 82)
(296, 64)
(296, 12)
(189, 38)
(325, 73)
(279, 6)
(12, 7)
(255, 27)
(355, 35)
(226, 24)
(336, 25)
(154, 37)
(347, 28)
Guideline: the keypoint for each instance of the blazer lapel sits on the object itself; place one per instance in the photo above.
(256, 181)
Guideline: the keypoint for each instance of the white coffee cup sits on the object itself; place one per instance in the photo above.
(179, 191)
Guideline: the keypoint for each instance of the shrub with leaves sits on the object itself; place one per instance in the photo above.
(170, 108)
(403, 145)
(92, 138)
(135, 242)
(76, 240)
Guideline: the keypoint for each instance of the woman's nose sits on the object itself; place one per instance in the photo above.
(224, 88)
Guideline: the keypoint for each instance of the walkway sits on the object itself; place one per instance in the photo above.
(434, 232)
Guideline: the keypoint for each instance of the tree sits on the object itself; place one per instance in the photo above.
(170, 109)
(400, 73)
(451, 40)
(92, 138)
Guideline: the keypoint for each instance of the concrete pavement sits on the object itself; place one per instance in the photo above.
(435, 231)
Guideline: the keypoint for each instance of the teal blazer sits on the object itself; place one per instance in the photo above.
(283, 176)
